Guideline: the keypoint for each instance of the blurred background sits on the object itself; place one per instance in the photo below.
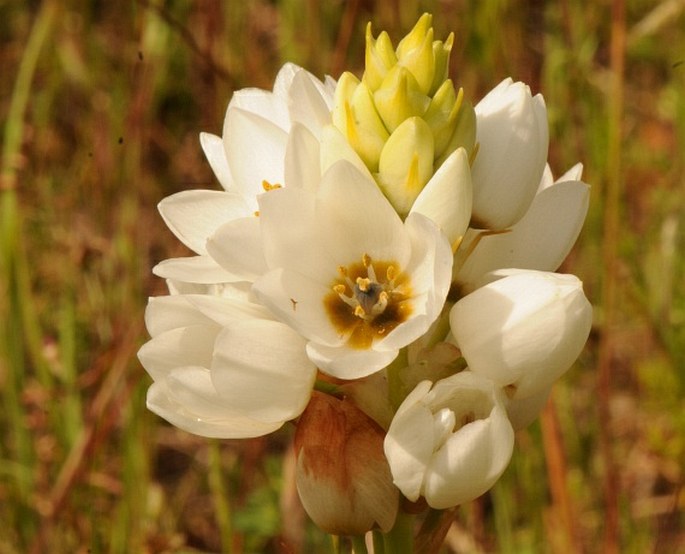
(101, 104)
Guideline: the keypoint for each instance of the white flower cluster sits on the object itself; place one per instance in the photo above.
(443, 321)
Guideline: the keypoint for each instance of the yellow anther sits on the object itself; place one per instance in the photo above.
(340, 289)
(391, 273)
(268, 186)
(366, 260)
(256, 214)
(363, 283)
(359, 312)
(342, 270)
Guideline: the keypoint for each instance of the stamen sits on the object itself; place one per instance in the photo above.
(340, 289)
(390, 274)
(370, 271)
(368, 300)
(366, 260)
(345, 275)
(268, 186)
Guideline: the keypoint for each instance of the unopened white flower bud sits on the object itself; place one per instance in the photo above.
(512, 135)
(523, 330)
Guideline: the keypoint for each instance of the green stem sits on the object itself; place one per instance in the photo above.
(327, 388)
(378, 543)
(359, 545)
(396, 388)
(400, 539)
(220, 497)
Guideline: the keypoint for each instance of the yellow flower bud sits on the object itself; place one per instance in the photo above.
(442, 114)
(410, 82)
(380, 57)
(354, 113)
(399, 98)
(420, 62)
(416, 36)
(464, 135)
(441, 57)
(406, 163)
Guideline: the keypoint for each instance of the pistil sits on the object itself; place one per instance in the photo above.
(368, 300)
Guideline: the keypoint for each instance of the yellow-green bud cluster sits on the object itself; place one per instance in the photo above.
(404, 117)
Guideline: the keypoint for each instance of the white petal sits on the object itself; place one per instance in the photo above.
(329, 86)
(227, 310)
(236, 289)
(356, 219)
(347, 363)
(573, 174)
(261, 369)
(447, 198)
(188, 400)
(302, 159)
(523, 411)
(547, 178)
(541, 240)
(164, 313)
(470, 461)
(213, 148)
(194, 215)
(179, 347)
(298, 301)
(264, 103)
(284, 79)
(307, 103)
(291, 245)
(430, 265)
(194, 269)
(408, 331)
(237, 247)
(335, 147)
(409, 443)
(513, 137)
(255, 149)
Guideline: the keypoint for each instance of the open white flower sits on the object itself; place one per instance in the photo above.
(270, 139)
(449, 442)
(222, 367)
(346, 273)
(512, 134)
(524, 329)
(257, 127)
(540, 240)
